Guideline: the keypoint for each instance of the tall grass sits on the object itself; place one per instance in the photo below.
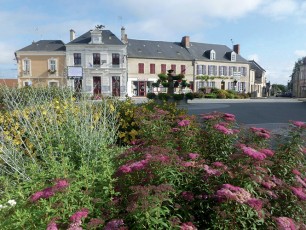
(47, 134)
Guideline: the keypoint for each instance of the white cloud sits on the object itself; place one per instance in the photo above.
(254, 57)
(300, 53)
(280, 9)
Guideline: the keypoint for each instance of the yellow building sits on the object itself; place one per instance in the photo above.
(42, 64)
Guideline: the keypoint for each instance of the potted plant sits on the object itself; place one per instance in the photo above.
(52, 71)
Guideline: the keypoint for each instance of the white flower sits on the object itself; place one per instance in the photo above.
(12, 202)
(2, 206)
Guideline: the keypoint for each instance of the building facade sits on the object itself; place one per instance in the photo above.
(259, 88)
(204, 65)
(42, 64)
(96, 63)
(298, 79)
(99, 63)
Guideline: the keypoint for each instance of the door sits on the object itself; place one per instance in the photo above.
(116, 86)
(141, 88)
(97, 85)
(222, 85)
(77, 85)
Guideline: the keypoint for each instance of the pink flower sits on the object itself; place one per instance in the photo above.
(300, 180)
(36, 196)
(188, 164)
(76, 217)
(188, 196)
(255, 203)
(252, 152)
(218, 164)
(61, 184)
(193, 156)
(208, 117)
(261, 132)
(52, 225)
(183, 123)
(229, 117)
(211, 172)
(299, 192)
(223, 129)
(47, 192)
(114, 224)
(268, 184)
(124, 169)
(299, 124)
(285, 223)
(267, 152)
(139, 165)
(230, 192)
(187, 226)
(175, 129)
(296, 172)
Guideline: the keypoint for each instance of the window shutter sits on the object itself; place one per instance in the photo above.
(199, 70)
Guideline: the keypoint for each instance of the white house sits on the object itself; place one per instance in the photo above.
(96, 63)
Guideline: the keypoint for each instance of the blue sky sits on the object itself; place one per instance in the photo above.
(272, 32)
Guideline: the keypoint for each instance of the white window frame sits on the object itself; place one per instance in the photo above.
(27, 83)
(233, 56)
(52, 67)
(26, 66)
(53, 81)
(212, 55)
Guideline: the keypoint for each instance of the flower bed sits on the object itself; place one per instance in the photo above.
(61, 168)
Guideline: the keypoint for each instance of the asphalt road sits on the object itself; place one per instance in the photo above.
(271, 113)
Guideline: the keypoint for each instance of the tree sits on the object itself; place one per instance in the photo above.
(171, 81)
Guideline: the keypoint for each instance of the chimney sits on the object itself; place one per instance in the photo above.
(236, 48)
(72, 34)
(123, 35)
(186, 42)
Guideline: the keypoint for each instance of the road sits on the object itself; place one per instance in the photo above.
(270, 113)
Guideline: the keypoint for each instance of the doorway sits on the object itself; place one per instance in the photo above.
(97, 85)
(116, 86)
(141, 88)
(77, 85)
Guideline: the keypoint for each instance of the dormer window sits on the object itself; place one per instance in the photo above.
(212, 55)
(233, 56)
(96, 36)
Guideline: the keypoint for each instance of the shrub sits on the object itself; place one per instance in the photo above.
(151, 95)
(178, 97)
(198, 94)
(163, 96)
(189, 95)
(221, 94)
(210, 95)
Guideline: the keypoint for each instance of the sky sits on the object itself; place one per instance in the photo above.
(271, 32)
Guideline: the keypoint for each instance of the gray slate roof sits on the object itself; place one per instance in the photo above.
(157, 49)
(108, 38)
(45, 45)
(175, 51)
(256, 66)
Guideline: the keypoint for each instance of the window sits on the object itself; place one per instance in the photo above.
(27, 83)
(52, 66)
(152, 68)
(212, 55)
(183, 69)
(243, 71)
(222, 70)
(163, 68)
(53, 83)
(212, 70)
(116, 59)
(241, 86)
(201, 69)
(140, 67)
(26, 66)
(77, 59)
(96, 58)
(233, 56)
(173, 67)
